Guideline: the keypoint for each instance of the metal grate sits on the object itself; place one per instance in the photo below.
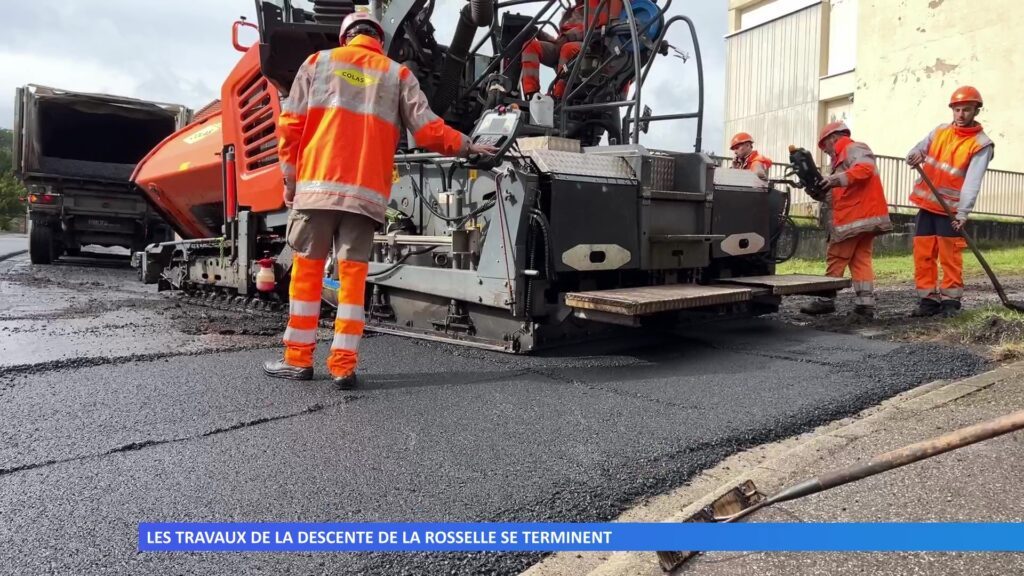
(259, 143)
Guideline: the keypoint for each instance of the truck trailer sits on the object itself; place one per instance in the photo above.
(75, 153)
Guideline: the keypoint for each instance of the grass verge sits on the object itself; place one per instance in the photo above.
(998, 328)
(895, 269)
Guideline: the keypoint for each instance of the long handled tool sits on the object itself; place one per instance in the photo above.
(901, 457)
(1015, 306)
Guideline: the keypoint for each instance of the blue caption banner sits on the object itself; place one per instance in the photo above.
(551, 537)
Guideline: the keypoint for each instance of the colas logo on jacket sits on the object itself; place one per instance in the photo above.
(355, 78)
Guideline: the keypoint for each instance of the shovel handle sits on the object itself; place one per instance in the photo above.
(970, 242)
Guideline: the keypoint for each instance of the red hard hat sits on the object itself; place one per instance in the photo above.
(965, 94)
(741, 138)
(830, 129)
(359, 18)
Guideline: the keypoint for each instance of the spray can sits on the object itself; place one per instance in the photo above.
(265, 281)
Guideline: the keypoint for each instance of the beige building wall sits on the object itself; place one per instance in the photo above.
(772, 82)
(912, 54)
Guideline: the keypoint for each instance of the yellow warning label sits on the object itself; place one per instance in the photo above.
(200, 134)
(355, 78)
(395, 176)
(472, 174)
(184, 166)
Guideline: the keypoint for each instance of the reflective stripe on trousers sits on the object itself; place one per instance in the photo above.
(855, 254)
(303, 311)
(349, 321)
(931, 252)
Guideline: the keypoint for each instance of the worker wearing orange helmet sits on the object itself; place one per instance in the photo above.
(859, 212)
(955, 157)
(747, 158)
(338, 131)
(557, 52)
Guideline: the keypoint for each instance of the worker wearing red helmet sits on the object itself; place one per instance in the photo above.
(747, 158)
(859, 212)
(557, 52)
(338, 131)
(955, 157)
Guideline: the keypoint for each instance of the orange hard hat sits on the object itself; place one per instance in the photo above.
(741, 138)
(359, 18)
(965, 94)
(830, 129)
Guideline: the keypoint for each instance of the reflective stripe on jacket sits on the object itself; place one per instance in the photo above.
(341, 124)
(946, 162)
(858, 203)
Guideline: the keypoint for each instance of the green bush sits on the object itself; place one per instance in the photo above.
(11, 191)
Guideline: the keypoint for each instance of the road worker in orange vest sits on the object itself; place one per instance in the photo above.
(338, 131)
(557, 52)
(747, 158)
(859, 213)
(955, 157)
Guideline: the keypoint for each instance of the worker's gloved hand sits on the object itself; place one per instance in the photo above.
(830, 182)
(481, 150)
(915, 158)
(289, 196)
(958, 225)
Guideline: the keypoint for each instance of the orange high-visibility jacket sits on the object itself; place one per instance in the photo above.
(341, 123)
(757, 163)
(858, 203)
(946, 162)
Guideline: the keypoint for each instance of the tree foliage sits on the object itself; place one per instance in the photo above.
(11, 191)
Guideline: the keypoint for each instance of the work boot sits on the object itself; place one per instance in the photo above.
(926, 308)
(279, 369)
(819, 307)
(950, 308)
(347, 382)
(866, 312)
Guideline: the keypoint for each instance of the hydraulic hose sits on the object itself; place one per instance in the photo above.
(475, 14)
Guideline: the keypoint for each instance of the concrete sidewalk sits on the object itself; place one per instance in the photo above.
(982, 482)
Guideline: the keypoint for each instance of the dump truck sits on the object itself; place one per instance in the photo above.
(75, 153)
(574, 231)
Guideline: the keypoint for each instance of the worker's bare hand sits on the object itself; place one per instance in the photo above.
(915, 158)
(958, 225)
(289, 196)
(482, 149)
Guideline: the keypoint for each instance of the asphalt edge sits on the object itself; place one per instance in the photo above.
(762, 463)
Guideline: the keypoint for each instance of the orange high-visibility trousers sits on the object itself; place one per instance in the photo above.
(539, 52)
(856, 254)
(311, 234)
(937, 244)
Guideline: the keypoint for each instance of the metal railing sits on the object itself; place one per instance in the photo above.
(1002, 192)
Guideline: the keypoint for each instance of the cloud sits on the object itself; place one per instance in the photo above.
(181, 51)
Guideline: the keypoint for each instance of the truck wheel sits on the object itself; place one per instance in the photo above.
(42, 246)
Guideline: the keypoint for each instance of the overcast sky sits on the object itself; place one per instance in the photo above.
(181, 51)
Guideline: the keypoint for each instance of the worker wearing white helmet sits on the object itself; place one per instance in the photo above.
(338, 131)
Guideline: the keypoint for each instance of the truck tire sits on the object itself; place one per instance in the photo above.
(42, 244)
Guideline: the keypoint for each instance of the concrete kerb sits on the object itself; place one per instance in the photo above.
(767, 466)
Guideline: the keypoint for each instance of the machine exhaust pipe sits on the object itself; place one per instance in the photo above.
(475, 14)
